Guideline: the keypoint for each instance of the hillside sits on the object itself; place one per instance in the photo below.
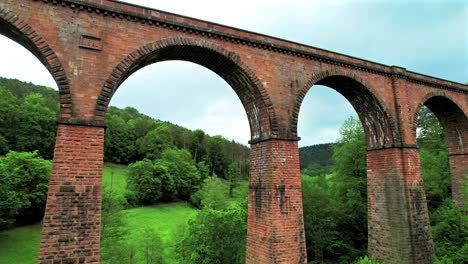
(28, 114)
(320, 154)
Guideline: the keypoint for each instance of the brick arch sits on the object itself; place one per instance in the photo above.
(379, 126)
(18, 30)
(228, 65)
(451, 116)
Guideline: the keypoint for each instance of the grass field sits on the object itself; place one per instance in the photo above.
(164, 218)
(114, 177)
(20, 245)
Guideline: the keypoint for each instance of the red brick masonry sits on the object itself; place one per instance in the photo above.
(91, 46)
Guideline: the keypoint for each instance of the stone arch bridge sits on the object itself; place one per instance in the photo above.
(91, 46)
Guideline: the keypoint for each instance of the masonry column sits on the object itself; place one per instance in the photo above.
(275, 226)
(71, 226)
(398, 220)
(459, 177)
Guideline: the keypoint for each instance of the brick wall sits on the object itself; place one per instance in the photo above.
(91, 46)
(275, 225)
(398, 220)
(459, 173)
(71, 226)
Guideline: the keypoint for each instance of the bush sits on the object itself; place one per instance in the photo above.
(24, 179)
(143, 182)
(449, 231)
(213, 195)
(215, 237)
(366, 260)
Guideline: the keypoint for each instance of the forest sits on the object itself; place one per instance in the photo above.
(197, 184)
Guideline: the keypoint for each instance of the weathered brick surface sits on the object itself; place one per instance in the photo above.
(91, 46)
(398, 220)
(459, 173)
(275, 225)
(71, 225)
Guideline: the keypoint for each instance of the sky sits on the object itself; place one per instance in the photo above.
(429, 37)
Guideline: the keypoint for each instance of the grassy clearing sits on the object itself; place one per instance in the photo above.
(165, 218)
(20, 245)
(115, 177)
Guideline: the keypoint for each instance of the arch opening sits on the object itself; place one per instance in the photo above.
(165, 157)
(453, 121)
(225, 64)
(441, 131)
(442, 137)
(336, 196)
(29, 108)
(19, 31)
(376, 121)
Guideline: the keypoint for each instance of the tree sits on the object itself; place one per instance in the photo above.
(120, 140)
(114, 248)
(319, 218)
(152, 246)
(153, 144)
(433, 151)
(143, 182)
(9, 117)
(216, 156)
(183, 168)
(37, 126)
(196, 147)
(24, 179)
(169, 188)
(213, 195)
(335, 206)
(3, 145)
(449, 231)
(233, 176)
(215, 237)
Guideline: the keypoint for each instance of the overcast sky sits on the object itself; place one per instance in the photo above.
(429, 37)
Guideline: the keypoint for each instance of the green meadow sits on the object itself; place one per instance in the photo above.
(20, 245)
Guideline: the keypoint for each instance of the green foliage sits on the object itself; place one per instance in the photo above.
(3, 146)
(319, 218)
(184, 170)
(367, 260)
(174, 176)
(155, 142)
(215, 237)
(38, 127)
(449, 231)
(163, 218)
(433, 151)
(216, 154)
(213, 195)
(114, 248)
(335, 207)
(349, 187)
(152, 246)
(24, 179)
(144, 182)
(449, 224)
(119, 146)
(315, 157)
(233, 176)
(197, 147)
(27, 120)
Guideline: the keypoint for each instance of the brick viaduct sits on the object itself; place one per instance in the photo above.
(91, 46)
